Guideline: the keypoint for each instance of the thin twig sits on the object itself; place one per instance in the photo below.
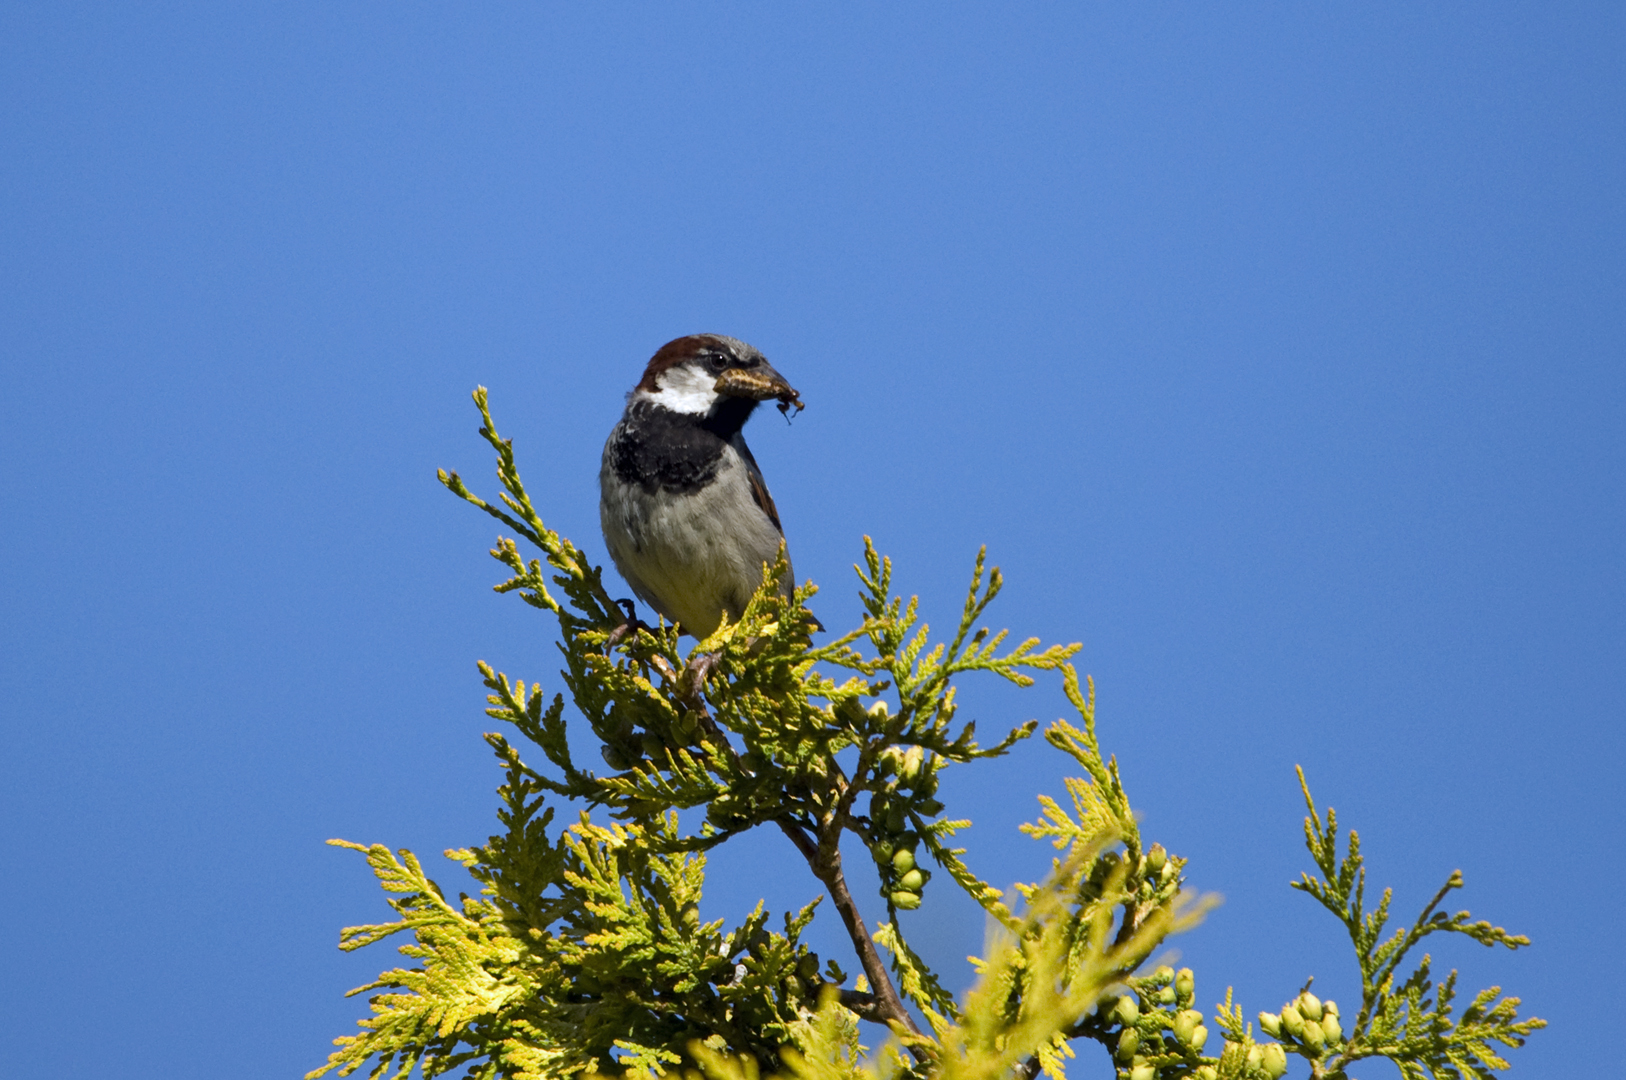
(891, 1008)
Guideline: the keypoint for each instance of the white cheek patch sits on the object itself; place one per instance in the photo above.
(685, 389)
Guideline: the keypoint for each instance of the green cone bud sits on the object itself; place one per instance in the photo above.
(1127, 1011)
(652, 747)
(1199, 1037)
(1165, 996)
(1333, 1030)
(1185, 984)
(908, 901)
(896, 819)
(1143, 1071)
(1185, 1022)
(1206, 1072)
(1329, 1007)
(929, 807)
(903, 860)
(882, 852)
(1314, 1038)
(1255, 1056)
(911, 763)
(691, 916)
(878, 709)
(1292, 1021)
(914, 880)
(1309, 1006)
(1272, 1059)
(1163, 974)
(1270, 1023)
(1156, 858)
(615, 758)
(1128, 1043)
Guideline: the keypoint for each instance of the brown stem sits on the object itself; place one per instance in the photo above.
(864, 1005)
(824, 859)
(826, 865)
(825, 862)
(1134, 915)
(799, 837)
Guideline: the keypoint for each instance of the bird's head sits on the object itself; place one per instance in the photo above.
(712, 375)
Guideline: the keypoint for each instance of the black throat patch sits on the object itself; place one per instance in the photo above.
(660, 449)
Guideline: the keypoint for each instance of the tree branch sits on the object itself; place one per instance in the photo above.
(825, 861)
(865, 1005)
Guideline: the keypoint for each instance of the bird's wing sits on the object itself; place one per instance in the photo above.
(759, 486)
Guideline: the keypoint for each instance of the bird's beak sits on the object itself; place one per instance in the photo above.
(760, 384)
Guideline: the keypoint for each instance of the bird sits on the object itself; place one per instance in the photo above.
(686, 514)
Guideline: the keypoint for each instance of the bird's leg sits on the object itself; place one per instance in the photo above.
(631, 626)
(695, 674)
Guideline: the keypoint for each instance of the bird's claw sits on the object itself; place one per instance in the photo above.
(696, 672)
(630, 627)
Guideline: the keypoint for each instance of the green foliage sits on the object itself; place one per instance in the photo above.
(1402, 1023)
(584, 953)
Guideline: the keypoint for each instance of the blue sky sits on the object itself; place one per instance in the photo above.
(1274, 351)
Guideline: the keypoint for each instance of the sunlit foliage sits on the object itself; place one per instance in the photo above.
(584, 953)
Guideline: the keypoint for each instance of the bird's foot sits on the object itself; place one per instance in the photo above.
(630, 627)
(696, 672)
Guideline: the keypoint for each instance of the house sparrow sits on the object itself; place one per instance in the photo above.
(685, 512)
